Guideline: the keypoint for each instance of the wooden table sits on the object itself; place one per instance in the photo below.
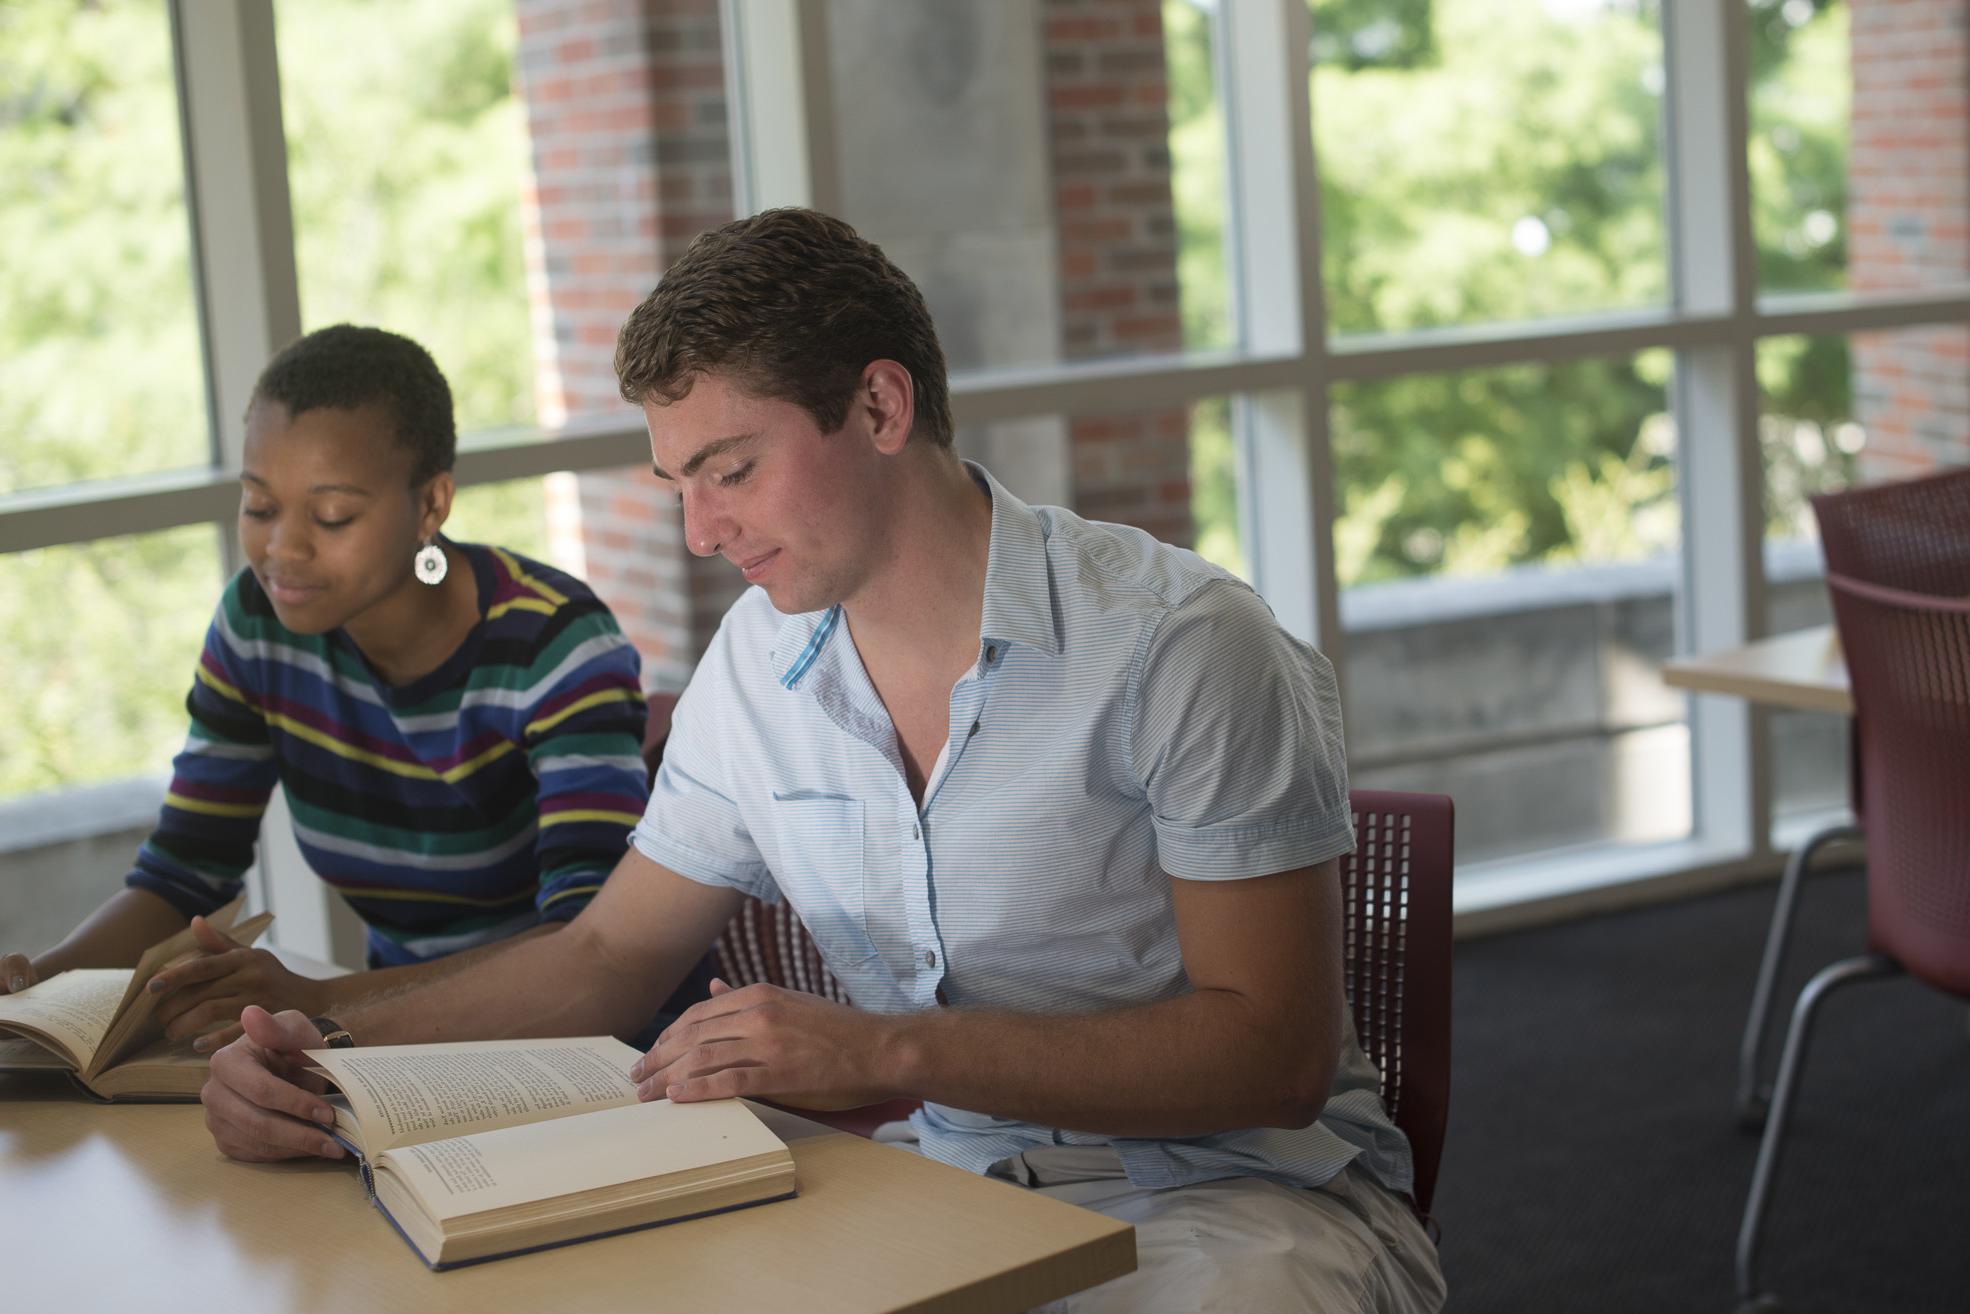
(1801, 670)
(130, 1207)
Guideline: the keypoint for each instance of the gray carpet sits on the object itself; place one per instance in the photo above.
(1592, 1160)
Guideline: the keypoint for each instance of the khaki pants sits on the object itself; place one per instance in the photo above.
(1242, 1245)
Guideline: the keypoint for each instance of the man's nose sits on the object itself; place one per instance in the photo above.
(704, 526)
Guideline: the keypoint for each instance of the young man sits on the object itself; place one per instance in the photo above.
(1060, 804)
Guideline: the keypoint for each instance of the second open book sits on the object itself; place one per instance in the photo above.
(99, 1024)
(481, 1149)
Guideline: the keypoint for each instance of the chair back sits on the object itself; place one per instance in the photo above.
(1395, 891)
(1908, 659)
(1396, 936)
(1912, 535)
(1898, 569)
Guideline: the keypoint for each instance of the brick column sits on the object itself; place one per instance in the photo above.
(1107, 99)
(625, 105)
(1909, 226)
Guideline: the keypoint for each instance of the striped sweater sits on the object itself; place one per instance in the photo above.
(492, 794)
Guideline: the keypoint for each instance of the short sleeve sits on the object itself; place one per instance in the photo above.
(692, 825)
(1236, 740)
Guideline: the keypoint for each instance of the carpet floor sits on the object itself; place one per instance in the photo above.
(1593, 1162)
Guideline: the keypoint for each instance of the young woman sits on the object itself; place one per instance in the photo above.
(457, 728)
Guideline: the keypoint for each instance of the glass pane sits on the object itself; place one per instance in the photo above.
(101, 696)
(407, 152)
(1485, 162)
(515, 515)
(99, 356)
(1053, 182)
(1508, 550)
(1839, 411)
(1858, 142)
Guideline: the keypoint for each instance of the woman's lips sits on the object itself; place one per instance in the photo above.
(292, 594)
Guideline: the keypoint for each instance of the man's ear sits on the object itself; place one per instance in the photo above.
(434, 504)
(887, 398)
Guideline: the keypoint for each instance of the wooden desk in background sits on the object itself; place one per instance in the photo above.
(1801, 670)
(130, 1207)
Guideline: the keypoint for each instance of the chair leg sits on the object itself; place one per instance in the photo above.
(1753, 1096)
(1791, 1060)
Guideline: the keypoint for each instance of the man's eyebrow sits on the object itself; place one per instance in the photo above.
(716, 447)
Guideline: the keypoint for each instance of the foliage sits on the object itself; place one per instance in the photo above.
(1480, 162)
(1497, 163)
(405, 155)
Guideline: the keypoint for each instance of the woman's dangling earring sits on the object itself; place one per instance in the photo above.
(430, 564)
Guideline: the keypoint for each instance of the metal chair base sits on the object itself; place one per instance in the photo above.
(1753, 1095)
(1867, 967)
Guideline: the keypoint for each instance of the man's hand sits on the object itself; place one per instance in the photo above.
(16, 973)
(766, 1042)
(260, 1103)
(206, 994)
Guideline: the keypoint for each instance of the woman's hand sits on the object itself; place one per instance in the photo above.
(203, 997)
(16, 973)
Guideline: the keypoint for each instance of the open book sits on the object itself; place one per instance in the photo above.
(479, 1149)
(98, 1023)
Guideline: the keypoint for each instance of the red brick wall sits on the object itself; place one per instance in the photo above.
(626, 113)
(625, 104)
(1908, 224)
(1108, 115)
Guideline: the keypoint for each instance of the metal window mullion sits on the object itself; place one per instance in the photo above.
(1720, 472)
(242, 228)
(249, 306)
(1286, 493)
(781, 78)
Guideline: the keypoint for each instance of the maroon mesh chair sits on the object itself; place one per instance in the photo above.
(1905, 633)
(1396, 924)
(1911, 535)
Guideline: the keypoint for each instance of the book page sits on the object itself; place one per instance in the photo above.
(631, 1143)
(134, 1028)
(74, 1009)
(401, 1094)
(23, 1053)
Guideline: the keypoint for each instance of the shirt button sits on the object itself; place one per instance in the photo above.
(930, 958)
(916, 831)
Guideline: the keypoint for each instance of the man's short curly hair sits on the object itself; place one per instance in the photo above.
(790, 304)
(346, 367)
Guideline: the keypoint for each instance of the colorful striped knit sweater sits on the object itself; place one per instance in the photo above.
(492, 794)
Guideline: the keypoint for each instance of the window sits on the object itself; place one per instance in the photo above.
(1051, 179)
(1485, 162)
(99, 355)
(1479, 511)
(1507, 547)
(1839, 411)
(102, 638)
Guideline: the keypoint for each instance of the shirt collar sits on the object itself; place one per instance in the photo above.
(1018, 583)
(1018, 591)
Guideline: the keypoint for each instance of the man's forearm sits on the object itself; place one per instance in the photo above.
(539, 984)
(357, 990)
(1200, 1063)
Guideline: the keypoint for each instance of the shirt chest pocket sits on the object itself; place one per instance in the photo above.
(821, 872)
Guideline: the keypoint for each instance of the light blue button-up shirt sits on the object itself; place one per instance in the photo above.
(1134, 711)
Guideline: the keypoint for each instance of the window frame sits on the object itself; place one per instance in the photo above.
(1280, 377)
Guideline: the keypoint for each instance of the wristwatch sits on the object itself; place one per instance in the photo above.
(333, 1033)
